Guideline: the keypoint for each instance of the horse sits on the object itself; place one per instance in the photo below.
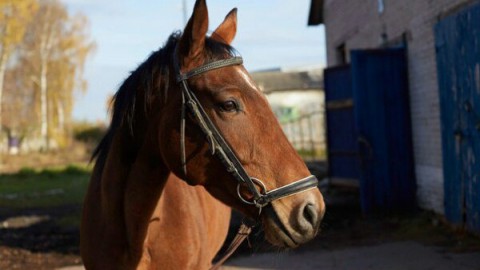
(192, 136)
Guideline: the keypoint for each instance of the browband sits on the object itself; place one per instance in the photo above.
(207, 67)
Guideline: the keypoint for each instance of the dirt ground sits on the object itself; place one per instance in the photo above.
(26, 244)
(344, 226)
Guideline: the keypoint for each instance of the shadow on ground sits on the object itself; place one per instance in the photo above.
(38, 230)
(344, 226)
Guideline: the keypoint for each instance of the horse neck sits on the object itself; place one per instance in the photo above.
(131, 191)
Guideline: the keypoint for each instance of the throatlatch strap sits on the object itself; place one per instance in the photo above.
(242, 234)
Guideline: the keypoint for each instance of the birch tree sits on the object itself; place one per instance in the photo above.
(15, 15)
(19, 103)
(74, 48)
(57, 46)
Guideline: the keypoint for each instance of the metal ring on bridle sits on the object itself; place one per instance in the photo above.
(262, 191)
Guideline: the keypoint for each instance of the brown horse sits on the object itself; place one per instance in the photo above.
(209, 126)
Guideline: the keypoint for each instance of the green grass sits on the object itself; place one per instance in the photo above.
(319, 154)
(30, 188)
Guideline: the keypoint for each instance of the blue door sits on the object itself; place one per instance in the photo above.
(368, 129)
(343, 159)
(382, 117)
(457, 39)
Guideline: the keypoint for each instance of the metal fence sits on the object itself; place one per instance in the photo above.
(307, 134)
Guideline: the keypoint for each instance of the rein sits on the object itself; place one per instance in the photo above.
(220, 148)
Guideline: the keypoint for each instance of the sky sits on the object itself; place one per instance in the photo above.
(270, 34)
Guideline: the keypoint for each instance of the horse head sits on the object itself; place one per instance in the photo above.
(226, 96)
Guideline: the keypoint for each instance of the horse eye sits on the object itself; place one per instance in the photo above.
(229, 106)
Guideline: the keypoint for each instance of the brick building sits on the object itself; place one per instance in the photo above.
(373, 24)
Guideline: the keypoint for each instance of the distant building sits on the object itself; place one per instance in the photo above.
(296, 98)
(441, 41)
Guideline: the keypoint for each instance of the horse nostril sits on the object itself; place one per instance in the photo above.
(310, 214)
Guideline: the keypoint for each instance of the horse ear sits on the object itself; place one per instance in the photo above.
(192, 42)
(226, 31)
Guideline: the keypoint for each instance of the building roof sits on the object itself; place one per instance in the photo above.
(315, 16)
(272, 81)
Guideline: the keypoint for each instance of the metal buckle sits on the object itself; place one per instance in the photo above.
(262, 191)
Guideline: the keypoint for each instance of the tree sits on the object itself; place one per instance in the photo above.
(56, 48)
(67, 70)
(19, 104)
(15, 15)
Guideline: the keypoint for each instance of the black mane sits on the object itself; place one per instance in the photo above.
(138, 93)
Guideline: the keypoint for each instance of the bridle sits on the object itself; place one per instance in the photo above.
(220, 148)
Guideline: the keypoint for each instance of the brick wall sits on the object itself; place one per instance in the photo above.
(358, 24)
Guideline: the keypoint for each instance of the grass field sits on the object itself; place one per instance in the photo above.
(30, 190)
(52, 187)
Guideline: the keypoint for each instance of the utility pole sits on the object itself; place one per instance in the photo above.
(185, 14)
